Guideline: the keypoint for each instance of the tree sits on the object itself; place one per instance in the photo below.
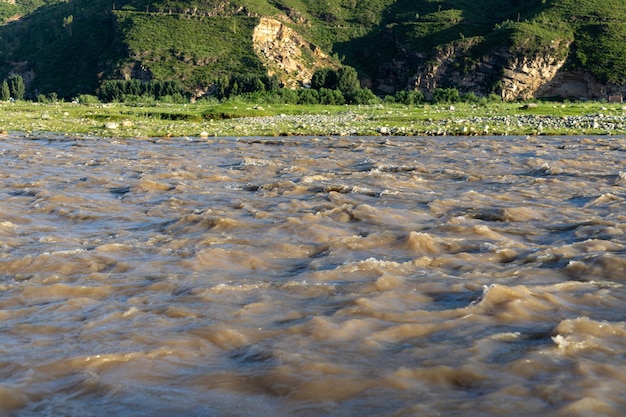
(5, 92)
(110, 90)
(324, 78)
(222, 87)
(347, 80)
(16, 86)
(272, 83)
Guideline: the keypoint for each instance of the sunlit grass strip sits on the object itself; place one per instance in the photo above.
(246, 119)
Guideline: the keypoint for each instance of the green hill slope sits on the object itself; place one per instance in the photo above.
(515, 48)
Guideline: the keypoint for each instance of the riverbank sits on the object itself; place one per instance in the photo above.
(247, 119)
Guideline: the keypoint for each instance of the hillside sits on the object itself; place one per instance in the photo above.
(512, 48)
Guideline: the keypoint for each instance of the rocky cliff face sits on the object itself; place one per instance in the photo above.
(286, 54)
(512, 76)
(449, 68)
(523, 77)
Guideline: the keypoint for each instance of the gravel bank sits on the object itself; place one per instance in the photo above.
(351, 124)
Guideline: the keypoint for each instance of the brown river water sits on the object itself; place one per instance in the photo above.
(313, 276)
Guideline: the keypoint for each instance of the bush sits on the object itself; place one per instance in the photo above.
(87, 99)
(308, 96)
(136, 100)
(493, 97)
(409, 98)
(16, 86)
(176, 98)
(288, 96)
(5, 92)
(470, 98)
(363, 96)
(446, 95)
(331, 97)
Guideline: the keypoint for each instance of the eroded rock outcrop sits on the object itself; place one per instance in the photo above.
(286, 54)
(523, 77)
(513, 76)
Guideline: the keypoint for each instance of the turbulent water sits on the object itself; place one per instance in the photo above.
(313, 277)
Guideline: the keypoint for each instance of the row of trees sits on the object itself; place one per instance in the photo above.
(329, 86)
(231, 86)
(344, 80)
(124, 90)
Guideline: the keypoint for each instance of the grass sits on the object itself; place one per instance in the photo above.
(246, 119)
(188, 48)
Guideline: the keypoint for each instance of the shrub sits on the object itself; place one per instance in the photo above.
(470, 97)
(87, 99)
(364, 96)
(176, 98)
(288, 96)
(5, 92)
(308, 96)
(409, 98)
(446, 95)
(16, 86)
(331, 97)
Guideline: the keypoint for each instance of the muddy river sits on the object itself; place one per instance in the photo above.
(313, 276)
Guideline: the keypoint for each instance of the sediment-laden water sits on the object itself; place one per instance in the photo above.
(313, 277)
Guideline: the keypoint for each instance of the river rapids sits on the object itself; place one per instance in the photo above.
(313, 276)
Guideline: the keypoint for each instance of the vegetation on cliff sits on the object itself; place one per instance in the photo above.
(70, 47)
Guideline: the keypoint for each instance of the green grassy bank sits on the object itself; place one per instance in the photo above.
(248, 119)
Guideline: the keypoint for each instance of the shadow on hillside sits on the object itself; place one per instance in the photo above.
(61, 47)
